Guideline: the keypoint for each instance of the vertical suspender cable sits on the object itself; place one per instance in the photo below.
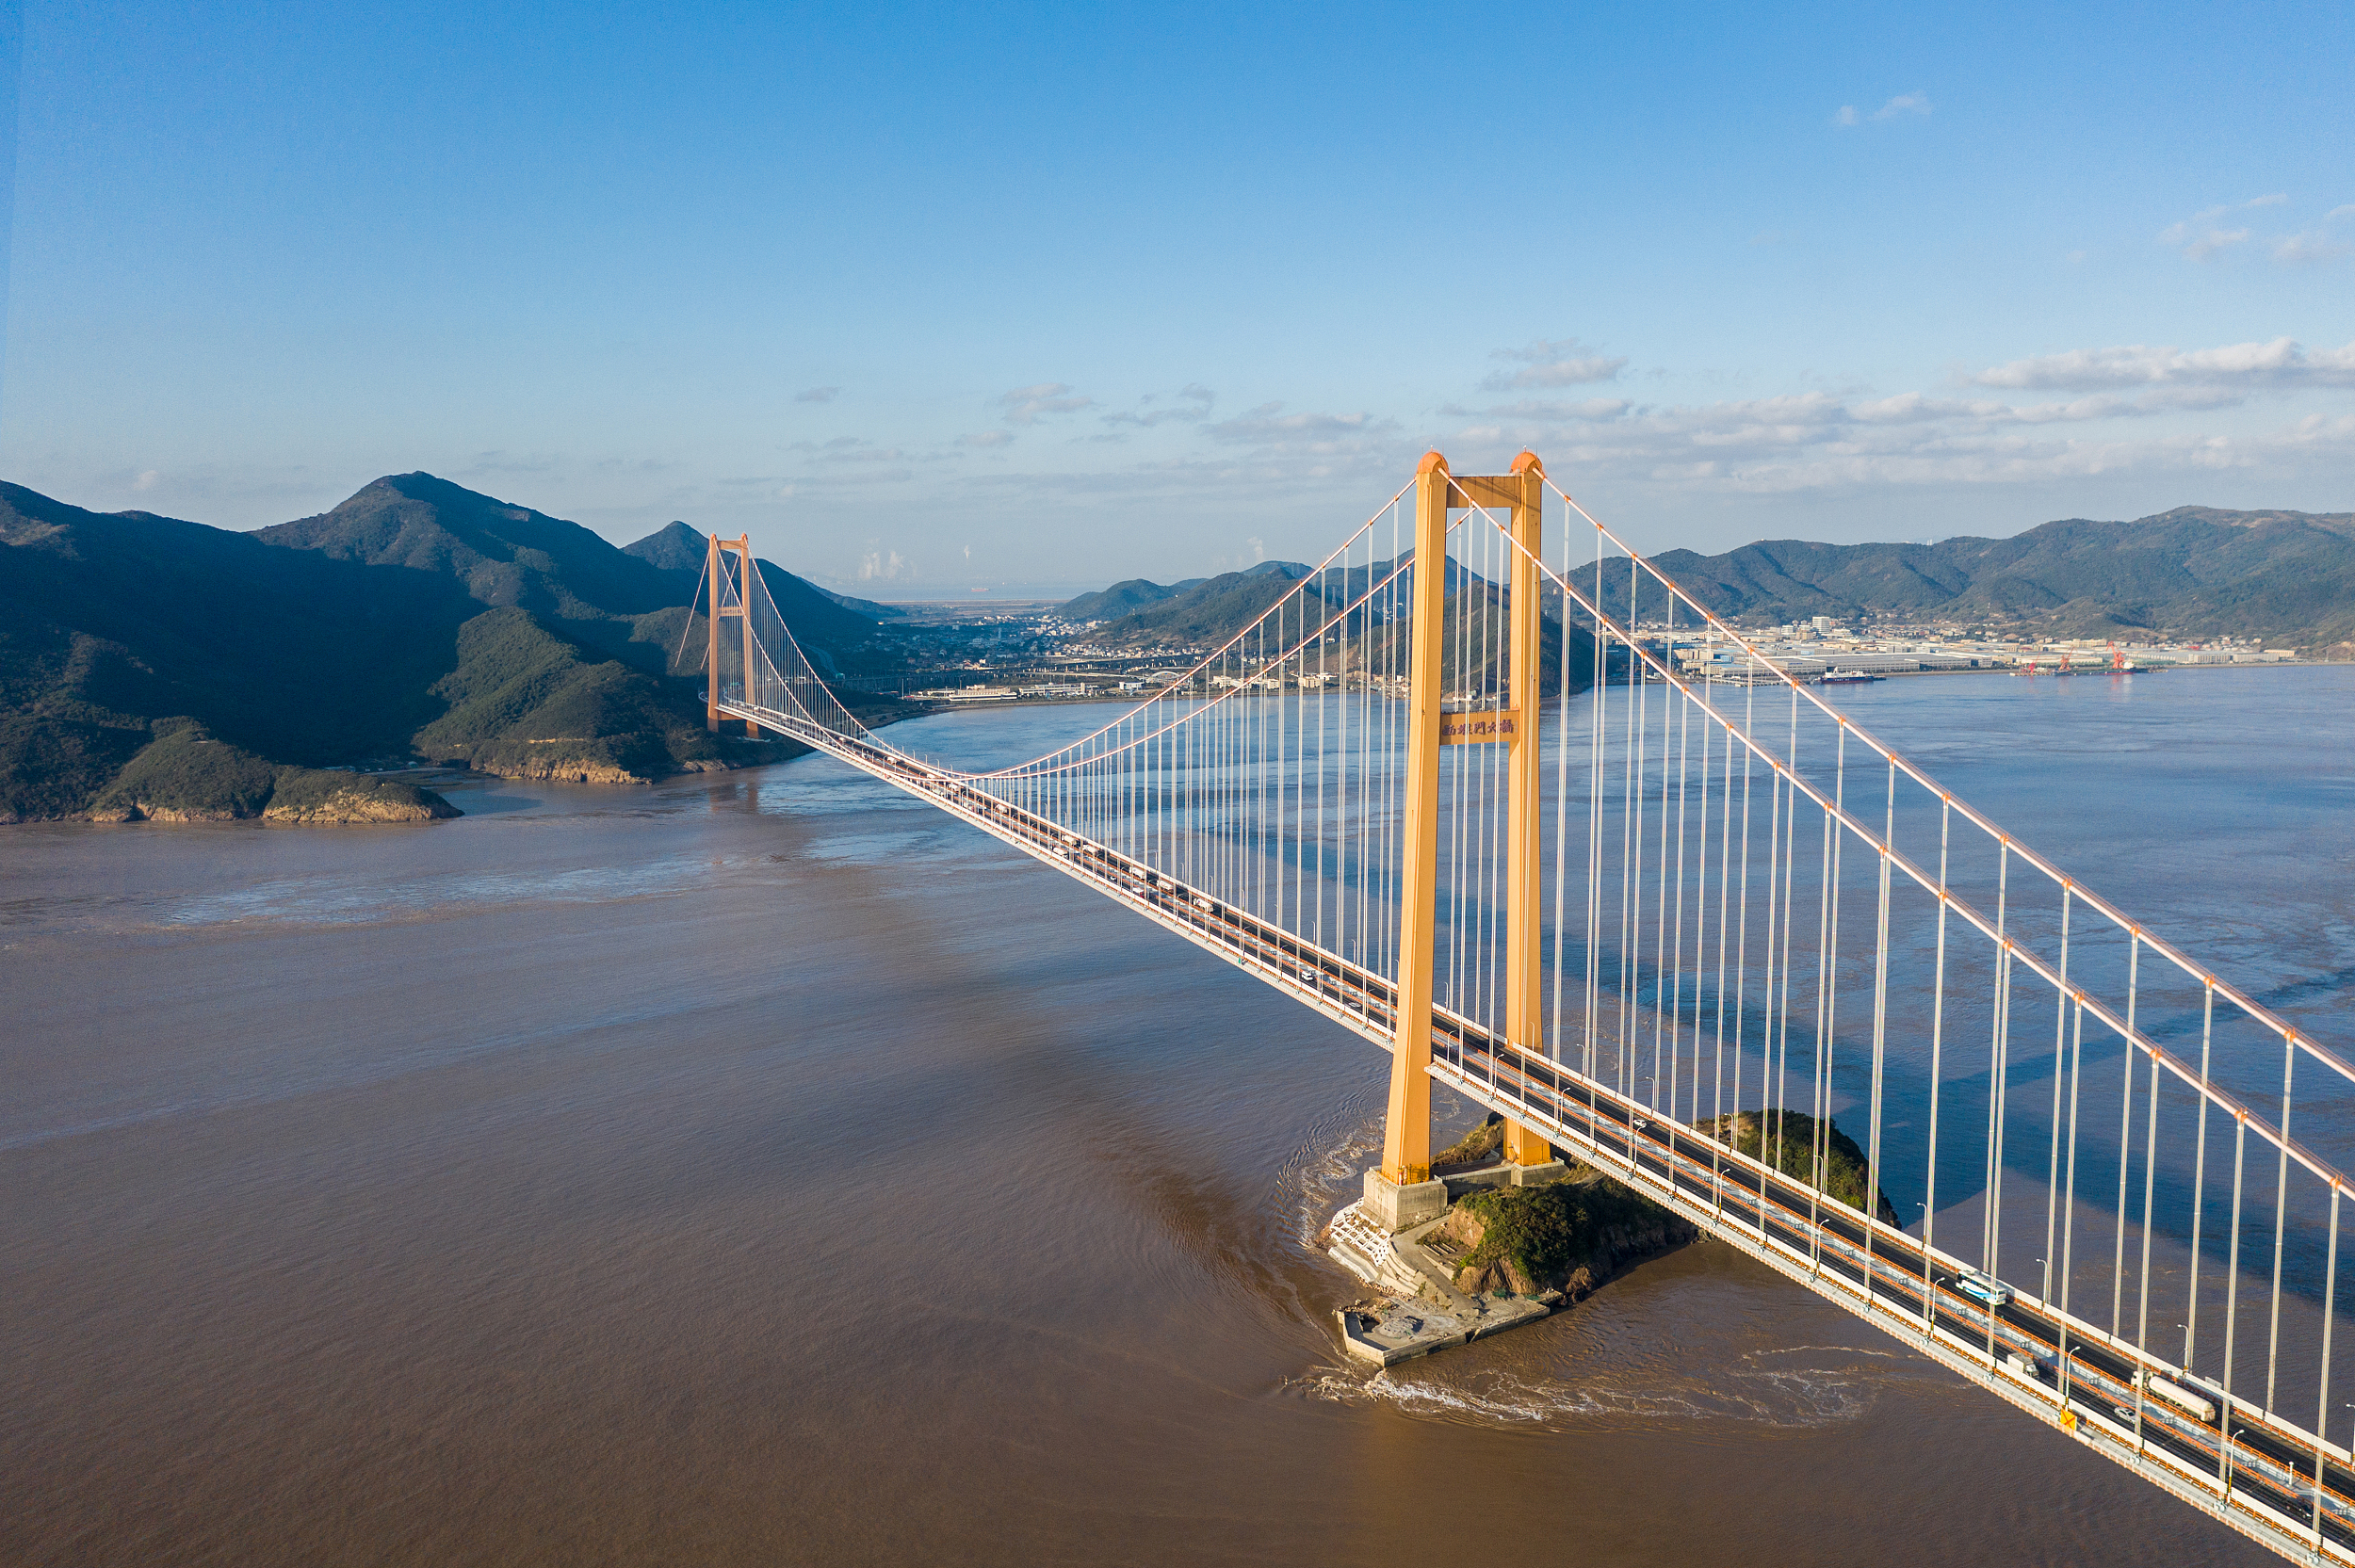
(2200, 1171)
(2060, 1030)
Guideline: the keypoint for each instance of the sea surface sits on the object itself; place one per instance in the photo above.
(767, 1168)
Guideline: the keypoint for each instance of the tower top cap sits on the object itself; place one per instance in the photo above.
(1432, 459)
(1528, 463)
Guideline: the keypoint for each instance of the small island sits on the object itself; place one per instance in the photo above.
(1505, 1253)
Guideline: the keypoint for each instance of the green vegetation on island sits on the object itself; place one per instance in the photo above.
(1797, 1147)
(187, 775)
(1568, 1236)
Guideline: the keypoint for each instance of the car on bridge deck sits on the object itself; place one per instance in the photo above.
(1983, 1288)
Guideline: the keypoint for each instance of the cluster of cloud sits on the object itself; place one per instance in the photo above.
(1904, 106)
(1028, 405)
(1821, 440)
(2280, 364)
(2327, 241)
(1192, 407)
(2211, 233)
(2198, 237)
(1269, 427)
(1566, 363)
(2121, 410)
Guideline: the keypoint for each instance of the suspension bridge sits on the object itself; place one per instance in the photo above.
(1457, 791)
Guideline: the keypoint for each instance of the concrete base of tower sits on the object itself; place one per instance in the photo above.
(1395, 1207)
(1544, 1174)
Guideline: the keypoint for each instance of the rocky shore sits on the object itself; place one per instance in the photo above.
(188, 775)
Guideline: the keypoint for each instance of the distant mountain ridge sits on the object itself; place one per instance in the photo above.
(2284, 577)
(1210, 610)
(1125, 598)
(826, 624)
(2194, 570)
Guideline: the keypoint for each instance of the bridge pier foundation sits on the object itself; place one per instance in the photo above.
(1395, 1206)
(1525, 1146)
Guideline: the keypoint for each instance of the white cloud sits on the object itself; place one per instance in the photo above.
(1024, 405)
(2309, 247)
(2198, 235)
(1268, 426)
(1591, 408)
(986, 439)
(2208, 242)
(841, 449)
(1823, 442)
(1912, 408)
(1902, 106)
(880, 566)
(2281, 362)
(1749, 450)
(147, 480)
(2322, 243)
(1192, 407)
(1563, 362)
(817, 395)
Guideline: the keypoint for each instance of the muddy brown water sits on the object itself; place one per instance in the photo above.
(771, 1169)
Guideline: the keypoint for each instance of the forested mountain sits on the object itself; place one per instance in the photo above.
(503, 554)
(1206, 611)
(1137, 593)
(834, 621)
(418, 618)
(110, 621)
(2285, 577)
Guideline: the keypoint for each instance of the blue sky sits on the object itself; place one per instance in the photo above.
(930, 298)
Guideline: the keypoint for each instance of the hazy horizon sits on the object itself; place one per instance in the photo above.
(1054, 590)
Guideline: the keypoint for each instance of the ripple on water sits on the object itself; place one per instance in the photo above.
(1796, 1387)
(334, 900)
